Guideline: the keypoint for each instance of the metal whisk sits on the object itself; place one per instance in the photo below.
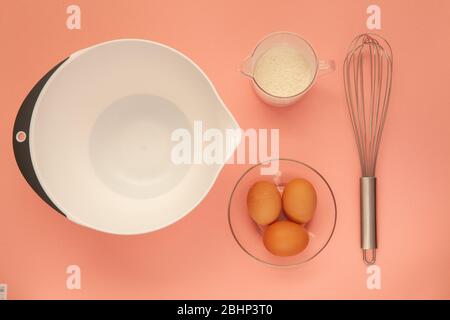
(368, 80)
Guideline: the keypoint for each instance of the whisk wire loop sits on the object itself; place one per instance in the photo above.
(368, 81)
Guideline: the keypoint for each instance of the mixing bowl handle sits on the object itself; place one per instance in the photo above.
(21, 144)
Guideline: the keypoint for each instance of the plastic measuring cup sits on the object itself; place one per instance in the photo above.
(292, 40)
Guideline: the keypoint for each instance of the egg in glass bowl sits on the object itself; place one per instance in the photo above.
(283, 217)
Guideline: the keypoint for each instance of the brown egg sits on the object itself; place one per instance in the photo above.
(285, 238)
(264, 202)
(299, 200)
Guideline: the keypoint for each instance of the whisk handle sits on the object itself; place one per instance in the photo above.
(368, 219)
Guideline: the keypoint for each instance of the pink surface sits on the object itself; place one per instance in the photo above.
(197, 257)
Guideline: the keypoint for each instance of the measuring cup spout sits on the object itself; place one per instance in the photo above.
(246, 67)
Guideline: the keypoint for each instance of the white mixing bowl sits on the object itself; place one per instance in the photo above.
(99, 136)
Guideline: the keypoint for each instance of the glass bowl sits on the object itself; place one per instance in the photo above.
(249, 235)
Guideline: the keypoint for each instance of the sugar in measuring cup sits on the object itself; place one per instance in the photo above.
(283, 67)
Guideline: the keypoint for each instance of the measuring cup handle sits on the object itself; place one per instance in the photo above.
(326, 67)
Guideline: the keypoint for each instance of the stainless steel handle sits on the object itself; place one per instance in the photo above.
(368, 219)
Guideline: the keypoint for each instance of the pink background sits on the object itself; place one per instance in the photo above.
(197, 257)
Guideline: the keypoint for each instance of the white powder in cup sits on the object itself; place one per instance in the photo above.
(283, 71)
